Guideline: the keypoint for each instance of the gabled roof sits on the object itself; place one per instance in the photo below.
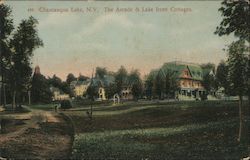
(103, 82)
(79, 83)
(177, 68)
(196, 72)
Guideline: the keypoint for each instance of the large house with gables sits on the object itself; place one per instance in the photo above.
(189, 76)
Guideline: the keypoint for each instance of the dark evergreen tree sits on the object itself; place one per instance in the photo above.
(121, 78)
(40, 89)
(222, 77)
(136, 83)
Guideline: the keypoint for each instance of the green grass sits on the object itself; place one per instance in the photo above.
(158, 130)
(47, 107)
(198, 141)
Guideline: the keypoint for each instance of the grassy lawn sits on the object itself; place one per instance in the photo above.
(46, 107)
(158, 130)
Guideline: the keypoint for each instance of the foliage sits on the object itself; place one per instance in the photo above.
(70, 78)
(82, 78)
(121, 78)
(237, 67)
(148, 87)
(162, 83)
(25, 40)
(171, 83)
(92, 92)
(6, 28)
(235, 19)
(222, 76)
(111, 90)
(136, 83)
(55, 81)
(66, 104)
(158, 86)
(209, 81)
(40, 89)
(63, 86)
(100, 72)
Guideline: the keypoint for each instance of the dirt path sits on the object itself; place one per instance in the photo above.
(41, 135)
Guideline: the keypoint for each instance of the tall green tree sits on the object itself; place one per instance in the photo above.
(25, 40)
(111, 90)
(136, 84)
(121, 77)
(237, 71)
(149, 82)
(235, 21)
(70, 78)
(222, 77)
(209, 81)
(6, 28)
(159, 85)
(171, 84)
(100, 72)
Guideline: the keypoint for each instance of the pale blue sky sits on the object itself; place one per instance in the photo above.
(78, 42)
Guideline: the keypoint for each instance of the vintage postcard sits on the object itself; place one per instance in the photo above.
(124, 79)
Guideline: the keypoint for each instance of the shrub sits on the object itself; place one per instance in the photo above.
(66, 104)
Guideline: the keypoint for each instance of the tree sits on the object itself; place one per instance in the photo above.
(82, 77)
(221, 76)
(149, 81)
(237, 62)
(121, 78)
(111, 90)
(25, 41)
(136, 84)
(6, 28)
(56, 82)
(158, 85)
(171, 83)
(70, 78)
(40, 90)
(208, 81)
(100, 72)
(65, 87)
(235, 19)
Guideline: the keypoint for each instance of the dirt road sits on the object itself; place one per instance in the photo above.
(36, 135)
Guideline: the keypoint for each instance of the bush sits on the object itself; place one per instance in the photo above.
(66, 104)
(204, 97)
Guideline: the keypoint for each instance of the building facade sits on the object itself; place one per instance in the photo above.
(189, 77)
(58, 95)
(79, 88)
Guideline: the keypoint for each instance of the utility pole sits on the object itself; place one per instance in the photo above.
(92, 94)
(4, 95)
(29, 97)
(1, 75)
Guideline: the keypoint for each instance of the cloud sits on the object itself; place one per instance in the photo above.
(59, 20)
(121, 21)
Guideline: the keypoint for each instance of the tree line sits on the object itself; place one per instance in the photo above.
(17, 47)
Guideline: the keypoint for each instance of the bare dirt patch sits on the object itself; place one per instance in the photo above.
(45, 135)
